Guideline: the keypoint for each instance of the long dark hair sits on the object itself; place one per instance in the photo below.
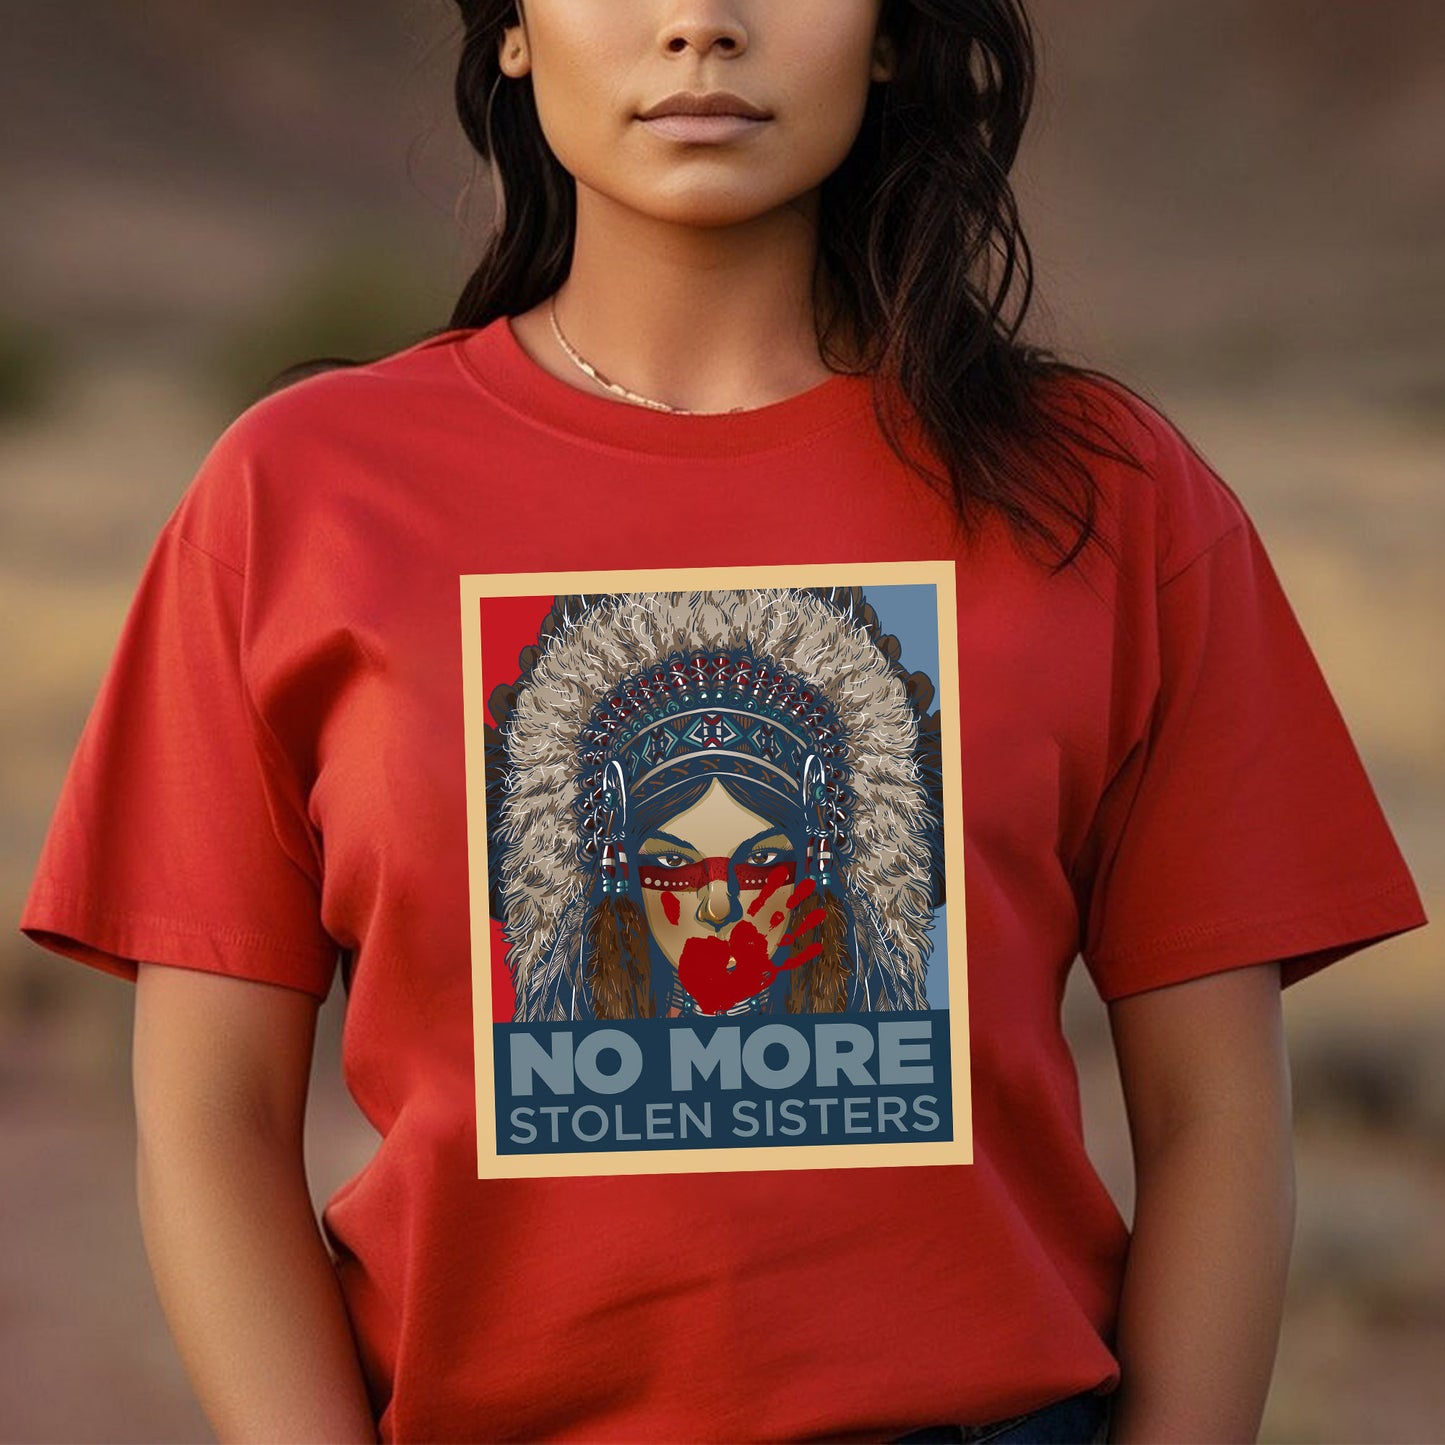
(921, 257)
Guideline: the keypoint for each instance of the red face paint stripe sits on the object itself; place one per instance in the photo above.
(692, 876)
(751, 876)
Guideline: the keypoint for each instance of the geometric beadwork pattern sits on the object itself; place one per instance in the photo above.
(721, 711)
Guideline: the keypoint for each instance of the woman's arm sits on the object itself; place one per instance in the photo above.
(1206, 1085)
(221, 1068)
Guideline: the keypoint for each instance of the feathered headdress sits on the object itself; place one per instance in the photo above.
(797, 690)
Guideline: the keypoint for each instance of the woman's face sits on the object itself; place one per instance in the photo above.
(718, 884)
(597, 64)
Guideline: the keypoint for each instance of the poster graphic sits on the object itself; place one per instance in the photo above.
(715, 862)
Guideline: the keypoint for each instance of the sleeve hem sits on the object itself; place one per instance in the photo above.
(1302, 940)
(116, 942)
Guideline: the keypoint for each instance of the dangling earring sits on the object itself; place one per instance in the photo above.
(818, 858)
(613, 863)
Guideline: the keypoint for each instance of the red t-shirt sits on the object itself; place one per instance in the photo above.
(275, 776)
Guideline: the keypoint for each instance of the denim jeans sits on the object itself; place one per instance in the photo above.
(1079, 1420)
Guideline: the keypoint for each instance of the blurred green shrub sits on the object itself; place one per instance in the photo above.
(361, 299)
(30, 361)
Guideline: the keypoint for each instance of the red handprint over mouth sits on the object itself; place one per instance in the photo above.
(723, 970)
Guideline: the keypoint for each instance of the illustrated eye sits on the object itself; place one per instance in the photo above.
(764, 857)
(668, 860)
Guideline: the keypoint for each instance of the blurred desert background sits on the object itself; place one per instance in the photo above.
(1236, 205)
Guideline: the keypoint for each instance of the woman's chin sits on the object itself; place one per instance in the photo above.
(721, 972)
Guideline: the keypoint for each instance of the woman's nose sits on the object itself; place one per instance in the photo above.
(716, 905)
(702, 36)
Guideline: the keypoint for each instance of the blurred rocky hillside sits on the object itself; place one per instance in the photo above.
(1230, 189)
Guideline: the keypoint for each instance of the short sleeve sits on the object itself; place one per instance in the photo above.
(164, 844)
(1242, 827)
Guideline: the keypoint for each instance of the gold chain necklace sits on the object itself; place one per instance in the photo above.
(612, 386)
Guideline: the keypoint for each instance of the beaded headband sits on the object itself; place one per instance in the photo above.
(727, 714)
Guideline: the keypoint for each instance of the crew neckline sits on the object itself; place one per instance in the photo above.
(494, 358)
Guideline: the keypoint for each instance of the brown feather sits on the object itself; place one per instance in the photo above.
(821, 984)
(617, 966)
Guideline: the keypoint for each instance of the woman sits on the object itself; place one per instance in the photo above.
(752, 301)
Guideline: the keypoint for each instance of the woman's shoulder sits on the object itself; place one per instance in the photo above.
(316, 398)
(1153, 480)
(300, 441)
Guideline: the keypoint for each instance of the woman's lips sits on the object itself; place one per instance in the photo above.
(707, 128)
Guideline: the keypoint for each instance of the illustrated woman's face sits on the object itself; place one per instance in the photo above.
(596, 65)
(718, 885)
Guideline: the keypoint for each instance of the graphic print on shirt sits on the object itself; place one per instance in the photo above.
(714, 827)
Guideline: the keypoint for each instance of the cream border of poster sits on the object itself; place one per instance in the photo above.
(490, 1164)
